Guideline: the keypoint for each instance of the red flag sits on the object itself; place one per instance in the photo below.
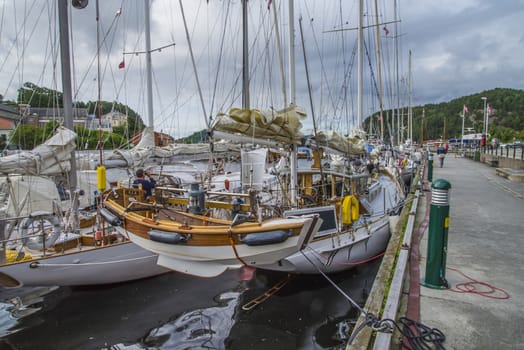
(386, 30)
(269, 4)
(465, 108)
(379, 117)
(121, 65)
(489, 109)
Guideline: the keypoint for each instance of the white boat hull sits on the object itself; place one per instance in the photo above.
(104, 265)
(210, 261)
(337, 253)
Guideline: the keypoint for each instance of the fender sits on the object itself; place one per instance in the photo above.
(110, 217)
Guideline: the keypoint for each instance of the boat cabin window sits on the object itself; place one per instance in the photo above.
(327, 214)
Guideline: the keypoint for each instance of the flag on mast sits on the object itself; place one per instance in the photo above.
(489, 109)
(465, 108)
(122, 65)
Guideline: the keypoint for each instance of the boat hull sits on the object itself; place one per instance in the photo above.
(103, 265)
(332, 254)
(210, 261)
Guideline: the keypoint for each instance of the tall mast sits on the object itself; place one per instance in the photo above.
(379, 65)
(422, 127)
(410, 112)
(292, 92)
(291, 38)
(63, 24)
(149, 79)
(245, 58)
(397, 75)
(360, 75)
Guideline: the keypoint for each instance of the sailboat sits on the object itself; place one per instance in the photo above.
(188, 237)
(338, 219)
(46, 244)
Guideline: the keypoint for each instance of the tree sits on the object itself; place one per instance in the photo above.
(37, 96)
(26, 136)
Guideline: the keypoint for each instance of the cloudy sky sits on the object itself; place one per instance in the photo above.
(457, 48)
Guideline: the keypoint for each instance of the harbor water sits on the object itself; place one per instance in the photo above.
(177, 311)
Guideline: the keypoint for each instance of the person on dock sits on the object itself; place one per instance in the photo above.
(147, 184)
(441, 153)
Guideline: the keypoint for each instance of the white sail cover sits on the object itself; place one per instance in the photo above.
(27, 194)
(346, 145)
(280, 126)
(254, 168)
(50, 158)
(136, 156)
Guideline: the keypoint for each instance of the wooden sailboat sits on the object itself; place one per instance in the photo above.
(321, 219)
(40, 246)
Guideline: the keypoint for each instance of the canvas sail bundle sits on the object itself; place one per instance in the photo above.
(280, 126)
(339, 143)
(50, 158)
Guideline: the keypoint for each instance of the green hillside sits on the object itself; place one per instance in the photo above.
(506, 121)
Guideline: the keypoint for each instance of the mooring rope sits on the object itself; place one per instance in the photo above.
(417, 334)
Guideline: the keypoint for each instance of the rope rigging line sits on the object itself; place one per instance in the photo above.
(418, 335)
(39, 264)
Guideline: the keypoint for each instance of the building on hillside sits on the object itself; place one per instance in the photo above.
(9, 118)
(108, 121)
(41, 116)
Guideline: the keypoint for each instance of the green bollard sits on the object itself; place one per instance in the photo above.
(430, 166)
(438, 236)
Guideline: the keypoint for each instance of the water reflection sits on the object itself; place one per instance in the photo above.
(205, 328)
(19, 304)
(176, 311)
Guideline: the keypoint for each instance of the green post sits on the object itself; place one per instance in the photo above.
(430, 166)
(438, 236)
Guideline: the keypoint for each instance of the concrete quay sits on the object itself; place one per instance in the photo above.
(484, 254)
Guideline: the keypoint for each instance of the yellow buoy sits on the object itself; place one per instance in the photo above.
(350, 210)
(101, 177)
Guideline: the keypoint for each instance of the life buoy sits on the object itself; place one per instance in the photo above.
(350, 210)
(37, 241)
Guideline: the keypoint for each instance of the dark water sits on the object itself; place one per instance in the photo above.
(176, 311)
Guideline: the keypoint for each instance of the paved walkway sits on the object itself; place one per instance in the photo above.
(486, 243)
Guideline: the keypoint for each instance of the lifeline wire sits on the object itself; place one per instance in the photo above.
(334, 284)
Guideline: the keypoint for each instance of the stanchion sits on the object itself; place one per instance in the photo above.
(438, 236)
(430, 166)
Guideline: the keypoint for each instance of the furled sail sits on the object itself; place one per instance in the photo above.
(346, 145)
(50, 158)
(280, 126)
(136, 156)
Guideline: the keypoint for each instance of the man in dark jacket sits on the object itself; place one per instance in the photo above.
(147, 184)
(441, 153)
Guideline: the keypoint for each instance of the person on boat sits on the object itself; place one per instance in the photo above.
(147, 184)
